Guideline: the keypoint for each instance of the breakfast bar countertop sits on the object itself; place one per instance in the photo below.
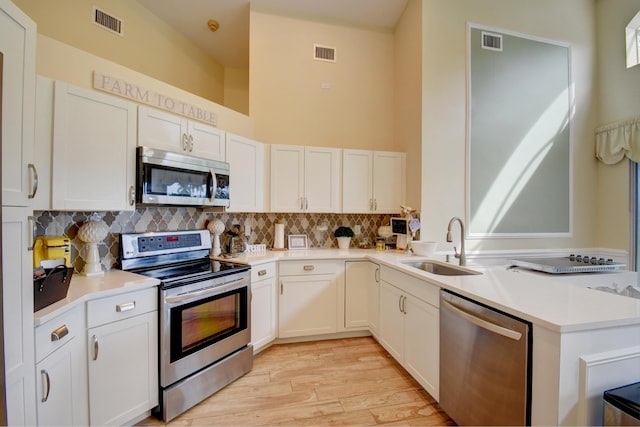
(562, 303)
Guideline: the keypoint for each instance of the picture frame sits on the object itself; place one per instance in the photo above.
(297, 241)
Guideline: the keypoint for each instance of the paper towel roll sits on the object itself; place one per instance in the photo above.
(278, 236)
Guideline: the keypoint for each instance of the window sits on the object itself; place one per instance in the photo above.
(633, 41)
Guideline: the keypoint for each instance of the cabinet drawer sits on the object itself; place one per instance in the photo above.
(122, 306)
(297, 268)
(263, 271)
(420, 289)
(57, 332)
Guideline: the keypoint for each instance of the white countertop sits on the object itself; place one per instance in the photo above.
(560, 303)
(83, 288)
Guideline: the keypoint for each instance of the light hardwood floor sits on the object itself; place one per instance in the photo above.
(346, 382)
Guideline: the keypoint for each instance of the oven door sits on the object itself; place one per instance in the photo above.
(201, 323)
(165, 178)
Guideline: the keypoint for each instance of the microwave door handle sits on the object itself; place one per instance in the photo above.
(214, 184)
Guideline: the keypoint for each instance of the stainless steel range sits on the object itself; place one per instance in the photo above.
(204, 315)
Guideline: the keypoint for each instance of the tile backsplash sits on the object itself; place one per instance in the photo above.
(318, 227)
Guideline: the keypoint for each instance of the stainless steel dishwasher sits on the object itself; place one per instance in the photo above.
(485, 374)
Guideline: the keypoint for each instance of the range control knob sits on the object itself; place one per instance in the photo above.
(601, 261)
(586, 260)
(579, 258)
(594, 260)
(609, 261)
(572, 257)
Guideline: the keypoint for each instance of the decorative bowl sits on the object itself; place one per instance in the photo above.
(423, 248)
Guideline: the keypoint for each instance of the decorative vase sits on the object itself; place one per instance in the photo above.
(344, 242)
(93, 232)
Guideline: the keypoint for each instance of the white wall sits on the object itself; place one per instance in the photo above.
(444, 107)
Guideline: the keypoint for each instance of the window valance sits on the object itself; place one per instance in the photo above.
(617, 140)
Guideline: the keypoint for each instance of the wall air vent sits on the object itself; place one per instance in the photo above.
(324, 53)
(491, 41)
(106, 21)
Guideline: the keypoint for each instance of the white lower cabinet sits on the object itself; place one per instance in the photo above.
(122, 343)
(409, 325)
(361, 295)
(263, 305)
(311, 300)
(61, 374)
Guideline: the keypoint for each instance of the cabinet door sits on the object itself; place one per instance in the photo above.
(43, 143)
(374, 300)
(263, 313)
(357, 181)
(18, 80)
(17, 297)
(247, 183)
(359, 275)
(422, 344)
(94, 139)
(54, 376)
(322, 183)
(206, 141)
(392, 320)
(307, 305)
(388, 181)
(287, 178)
(123, 369)
(161, 130)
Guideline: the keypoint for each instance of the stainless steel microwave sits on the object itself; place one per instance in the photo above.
(167, 178)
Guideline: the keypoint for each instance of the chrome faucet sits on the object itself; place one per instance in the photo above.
(461, 256)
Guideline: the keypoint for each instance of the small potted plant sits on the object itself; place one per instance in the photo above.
(344, 235)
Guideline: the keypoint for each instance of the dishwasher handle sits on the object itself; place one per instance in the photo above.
(505, 332)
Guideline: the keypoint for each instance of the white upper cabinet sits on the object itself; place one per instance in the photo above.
(169, 132)
(94, 139)
(248, 180)
(373, 181)
(17, 70)
(305, 179)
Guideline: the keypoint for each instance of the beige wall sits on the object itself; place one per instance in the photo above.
(287, 101)
(408, 97)
(60, 61)
(148, 45)
(236, 89)
(619, 95)
(444, 107)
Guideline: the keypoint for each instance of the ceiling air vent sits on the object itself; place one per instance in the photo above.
(492, 41)
(106, 21)
(324, 53)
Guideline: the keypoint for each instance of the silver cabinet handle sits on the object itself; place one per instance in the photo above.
(32, 238)
(34, 188)
(370, 204)
(306, 204)
(95, 347)
(281, 288)
(262, 272)
(127, 306)
(59, 333)
(400, 303)
(308, 268)
(404, 305)
(132, 195)
(184, 144)
(375, 204)
(47, 382)
(190, 143)
(377, 275)
(505, 332)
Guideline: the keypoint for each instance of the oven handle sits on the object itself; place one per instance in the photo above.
(213, 290)
(214, 184)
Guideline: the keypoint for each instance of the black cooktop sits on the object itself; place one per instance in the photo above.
(179, 273)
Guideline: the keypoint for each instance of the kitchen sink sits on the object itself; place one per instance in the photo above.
(441, 268)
